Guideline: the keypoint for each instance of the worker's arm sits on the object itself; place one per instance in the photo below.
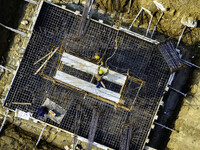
(107, 71)
(99, 68)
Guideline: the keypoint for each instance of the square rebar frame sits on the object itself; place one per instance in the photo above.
(56, 26)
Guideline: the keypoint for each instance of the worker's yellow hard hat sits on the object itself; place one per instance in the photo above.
(96, 57)
(100, 71)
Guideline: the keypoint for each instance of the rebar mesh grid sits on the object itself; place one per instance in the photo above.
(56, 26)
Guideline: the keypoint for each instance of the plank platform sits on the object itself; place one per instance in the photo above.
(87, 86)
(91, 68)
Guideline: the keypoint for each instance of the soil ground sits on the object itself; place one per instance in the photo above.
(14, 138)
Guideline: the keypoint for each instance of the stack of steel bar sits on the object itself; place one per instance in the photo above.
(171, 56)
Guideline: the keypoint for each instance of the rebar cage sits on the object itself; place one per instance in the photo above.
(55, 27)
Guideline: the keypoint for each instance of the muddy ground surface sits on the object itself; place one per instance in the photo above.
(188, 120)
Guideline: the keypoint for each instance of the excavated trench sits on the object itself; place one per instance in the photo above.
(186, 113)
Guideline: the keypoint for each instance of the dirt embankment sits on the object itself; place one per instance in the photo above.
(14, 138)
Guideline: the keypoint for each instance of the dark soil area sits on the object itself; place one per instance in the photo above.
(11, 14)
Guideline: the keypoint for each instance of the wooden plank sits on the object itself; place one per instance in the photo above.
(18, 103)
(49, 56)
(91, 68)
(86, 86)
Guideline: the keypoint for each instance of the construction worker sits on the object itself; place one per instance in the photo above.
(99, 76)
(42, 111)
(96, 56)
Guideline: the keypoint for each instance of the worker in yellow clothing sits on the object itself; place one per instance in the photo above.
(99, 76)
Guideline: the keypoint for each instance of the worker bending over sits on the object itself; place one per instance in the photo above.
(99, 76)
